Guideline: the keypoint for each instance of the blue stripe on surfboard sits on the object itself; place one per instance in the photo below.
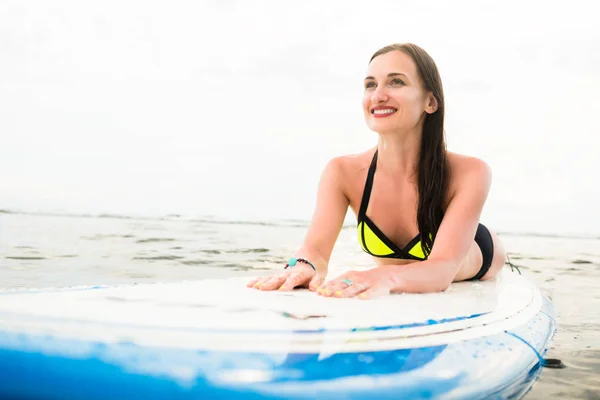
(247, 331)
(76, 369)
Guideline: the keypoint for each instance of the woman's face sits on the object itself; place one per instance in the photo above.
(394, 99)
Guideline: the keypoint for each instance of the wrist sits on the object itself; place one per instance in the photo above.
(293, 261)
(394, 277)
(315, 259)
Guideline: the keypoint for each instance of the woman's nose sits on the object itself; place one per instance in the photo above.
(379, 95)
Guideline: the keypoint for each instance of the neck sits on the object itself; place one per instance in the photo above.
(399, 154)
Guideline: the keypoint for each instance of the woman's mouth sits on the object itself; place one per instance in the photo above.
(382, 112)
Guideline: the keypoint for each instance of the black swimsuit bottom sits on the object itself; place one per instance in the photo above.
(483, 238)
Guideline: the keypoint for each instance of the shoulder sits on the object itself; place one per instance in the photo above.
(468, 171)
(350, 165)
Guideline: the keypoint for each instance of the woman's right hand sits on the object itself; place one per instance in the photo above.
(298, 276)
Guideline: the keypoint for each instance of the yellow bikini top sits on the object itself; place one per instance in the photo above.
(370, 237)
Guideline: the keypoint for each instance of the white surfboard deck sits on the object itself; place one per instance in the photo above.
(475, 339)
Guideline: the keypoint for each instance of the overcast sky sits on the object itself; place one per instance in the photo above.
(231, 109)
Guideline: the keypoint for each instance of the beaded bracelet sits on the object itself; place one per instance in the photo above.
(293, 261)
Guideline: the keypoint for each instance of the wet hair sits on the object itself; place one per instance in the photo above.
(433, 169)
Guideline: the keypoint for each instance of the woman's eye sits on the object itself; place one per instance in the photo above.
(396, 82)
(369, 85)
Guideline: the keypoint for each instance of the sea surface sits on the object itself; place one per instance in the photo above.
(57, 250)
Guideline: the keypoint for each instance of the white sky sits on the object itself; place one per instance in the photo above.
(231, 109)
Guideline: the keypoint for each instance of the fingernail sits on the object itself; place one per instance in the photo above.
(326, 292)
(362, 296)
(338, 293)
(282, 288)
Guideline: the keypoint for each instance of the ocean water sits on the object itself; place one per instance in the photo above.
(142, 141)
(70, 250)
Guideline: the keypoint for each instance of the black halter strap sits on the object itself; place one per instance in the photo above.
(368, 186)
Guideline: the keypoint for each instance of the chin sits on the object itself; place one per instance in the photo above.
(384, 128)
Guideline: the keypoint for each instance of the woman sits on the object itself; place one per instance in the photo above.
(417, 205)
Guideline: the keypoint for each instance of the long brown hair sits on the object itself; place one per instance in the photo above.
(433, 170)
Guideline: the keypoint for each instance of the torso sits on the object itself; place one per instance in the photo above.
(393, 203)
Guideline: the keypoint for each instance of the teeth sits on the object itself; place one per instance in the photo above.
(386, 111)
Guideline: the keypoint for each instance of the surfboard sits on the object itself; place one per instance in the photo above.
(218, 339)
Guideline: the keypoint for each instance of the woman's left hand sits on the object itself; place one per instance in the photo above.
(362, 284)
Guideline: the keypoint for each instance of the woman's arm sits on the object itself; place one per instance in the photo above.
(328, 218)
(455, 235)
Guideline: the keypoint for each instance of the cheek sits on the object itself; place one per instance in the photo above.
(366, 100)
(404, 98)
(410, 101)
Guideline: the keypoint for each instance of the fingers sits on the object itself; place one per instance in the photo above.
(253, 282)
(331, 287)
(296, 279)
(342, 289)
(273, 282)
(345, 286)
(328, 287)
(351, 291)
(258, 283)
(287, 280)
(352, 285)
(261, 281)
(315, 283)
(334, 285)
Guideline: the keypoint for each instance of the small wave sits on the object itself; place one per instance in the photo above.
(101, 236)
(231, 265)
(257, 250)
(155, 240)
(209, 251)
(245, 268)
(274, 260)
(195, 262)
(26, 258)
(286, 224)
(581, 262)
(114, 216)
(158, 258)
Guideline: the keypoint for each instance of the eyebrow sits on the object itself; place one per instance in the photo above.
(391, 74)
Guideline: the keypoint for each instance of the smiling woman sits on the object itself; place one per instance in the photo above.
(422, 196)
